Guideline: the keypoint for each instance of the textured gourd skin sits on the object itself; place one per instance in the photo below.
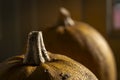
(84, 44)
(59, 68)
(39, 64)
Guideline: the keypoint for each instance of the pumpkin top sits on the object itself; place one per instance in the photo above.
(39, 64)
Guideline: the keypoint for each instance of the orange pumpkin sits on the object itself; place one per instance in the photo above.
(39, 64)
(83, 43)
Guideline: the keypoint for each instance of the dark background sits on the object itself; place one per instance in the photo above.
(19, 17)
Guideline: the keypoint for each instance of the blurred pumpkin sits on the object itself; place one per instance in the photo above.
(39, 64)
(83, 43)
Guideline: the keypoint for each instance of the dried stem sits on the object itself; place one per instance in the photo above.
(66, 17)
(36, 51)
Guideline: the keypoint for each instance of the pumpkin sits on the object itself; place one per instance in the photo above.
(39, 64)
(83, 43)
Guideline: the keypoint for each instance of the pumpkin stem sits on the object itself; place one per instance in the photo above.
(66, 17)
(36, 51)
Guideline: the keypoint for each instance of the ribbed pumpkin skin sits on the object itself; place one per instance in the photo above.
(84, 44)
(59, 68)
(39, 64)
